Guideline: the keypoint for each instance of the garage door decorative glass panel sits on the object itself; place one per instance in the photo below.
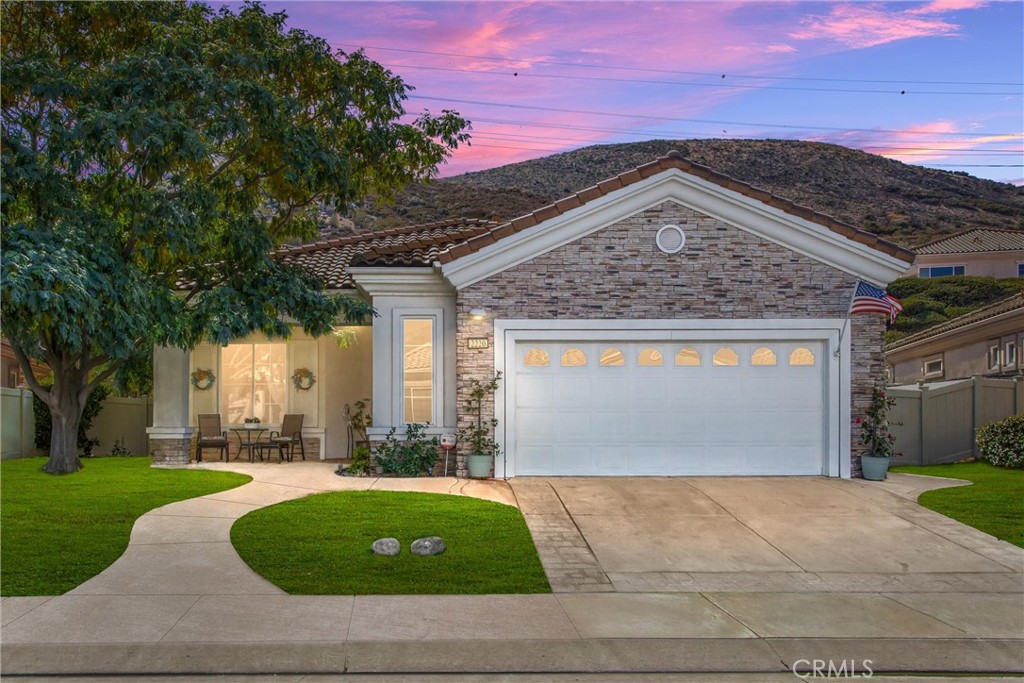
(801, 356)
(726, 356)
(763, 356)
(612, 357)
(649, 357)
(688, 357)
(536, 358)
(574, 358)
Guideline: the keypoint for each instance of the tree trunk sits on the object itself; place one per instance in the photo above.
(66, 408)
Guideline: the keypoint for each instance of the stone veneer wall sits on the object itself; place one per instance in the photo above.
(169, 452)
(619, 273)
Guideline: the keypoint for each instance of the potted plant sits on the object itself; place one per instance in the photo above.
(875, 434)
(479, 437)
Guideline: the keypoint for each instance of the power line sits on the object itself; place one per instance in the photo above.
(697, 85)
(681, 135)
(716, 122)
(668, 71)
(904, 151)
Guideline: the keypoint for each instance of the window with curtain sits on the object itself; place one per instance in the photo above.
(253, 382)
(418, 370)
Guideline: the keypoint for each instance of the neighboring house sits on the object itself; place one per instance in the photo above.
(11, 375)
(667, 321)
(986, 341)
(982, 251)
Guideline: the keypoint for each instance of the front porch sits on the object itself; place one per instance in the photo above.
(255, 378)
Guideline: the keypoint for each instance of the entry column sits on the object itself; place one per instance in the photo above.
(170, 437)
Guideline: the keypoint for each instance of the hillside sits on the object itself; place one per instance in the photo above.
(907, 204)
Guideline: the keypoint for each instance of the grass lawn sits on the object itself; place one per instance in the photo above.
(995, 504)
(57, 531)
(320, 545)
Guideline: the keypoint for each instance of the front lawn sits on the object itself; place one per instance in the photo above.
(994, 504)
(58, 531)
(320, 545)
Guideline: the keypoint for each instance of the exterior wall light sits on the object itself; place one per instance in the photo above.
(477, 314)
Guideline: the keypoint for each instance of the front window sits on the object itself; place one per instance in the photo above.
(993, 355)
(1020, 270)
(254, 382)
(942, 271)
(1010, 354)
(418, 370)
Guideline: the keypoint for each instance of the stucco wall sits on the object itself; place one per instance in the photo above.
(988, 264)
(619, 273)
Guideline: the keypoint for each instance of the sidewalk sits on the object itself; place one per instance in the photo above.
(181, 601)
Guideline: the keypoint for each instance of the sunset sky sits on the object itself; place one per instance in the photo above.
(933, 83)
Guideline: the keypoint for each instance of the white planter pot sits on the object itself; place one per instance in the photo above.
(479, 466)
(874, 468)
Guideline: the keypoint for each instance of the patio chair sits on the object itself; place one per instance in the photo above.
(289, 436)
(211, 436)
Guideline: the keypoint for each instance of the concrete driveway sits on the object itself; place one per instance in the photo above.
(643, 534)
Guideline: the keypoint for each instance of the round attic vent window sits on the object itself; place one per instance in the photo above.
(670, 239)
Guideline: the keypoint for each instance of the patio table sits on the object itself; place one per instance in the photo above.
(251, 442)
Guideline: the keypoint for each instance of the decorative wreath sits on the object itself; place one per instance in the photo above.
(303, 379)
(202, 379)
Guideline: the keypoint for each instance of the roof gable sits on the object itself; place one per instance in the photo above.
(673, 178)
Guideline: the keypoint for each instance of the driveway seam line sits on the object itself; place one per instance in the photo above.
(707, 596)
(770, 544)
(925, 614)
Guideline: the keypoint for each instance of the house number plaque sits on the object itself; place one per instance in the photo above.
(477, 342)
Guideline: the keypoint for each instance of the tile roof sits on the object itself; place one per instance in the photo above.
(977, 239)
(671, 160)
(416, 245)
(1007, 305)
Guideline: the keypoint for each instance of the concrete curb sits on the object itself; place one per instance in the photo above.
(522, 656)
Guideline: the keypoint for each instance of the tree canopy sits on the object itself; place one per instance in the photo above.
(154, 154)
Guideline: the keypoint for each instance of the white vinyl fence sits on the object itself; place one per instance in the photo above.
(122, 419)
(938, 421)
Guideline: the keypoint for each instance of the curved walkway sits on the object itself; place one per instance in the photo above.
(184, 548)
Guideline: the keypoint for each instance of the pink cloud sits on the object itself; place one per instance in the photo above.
(930, 142)
(862, 26)
(941, 6)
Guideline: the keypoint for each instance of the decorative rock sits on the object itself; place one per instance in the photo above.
(431, 545)
(387, 546)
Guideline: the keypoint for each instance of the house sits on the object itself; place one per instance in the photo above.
(985, 341)
(667, 321)
(981, 251)
(11, 375)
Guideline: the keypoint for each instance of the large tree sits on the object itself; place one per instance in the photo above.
(154, 155)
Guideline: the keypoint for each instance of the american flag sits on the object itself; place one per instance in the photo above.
(871, 299)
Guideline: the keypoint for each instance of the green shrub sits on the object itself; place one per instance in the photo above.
(360, 460)
(44, 421)
(1002, 443)
(411, 456)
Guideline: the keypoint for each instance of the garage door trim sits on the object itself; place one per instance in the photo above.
(833, 334)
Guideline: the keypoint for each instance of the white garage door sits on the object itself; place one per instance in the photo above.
(672, 408)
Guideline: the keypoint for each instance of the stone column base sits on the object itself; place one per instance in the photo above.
(170, 447)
